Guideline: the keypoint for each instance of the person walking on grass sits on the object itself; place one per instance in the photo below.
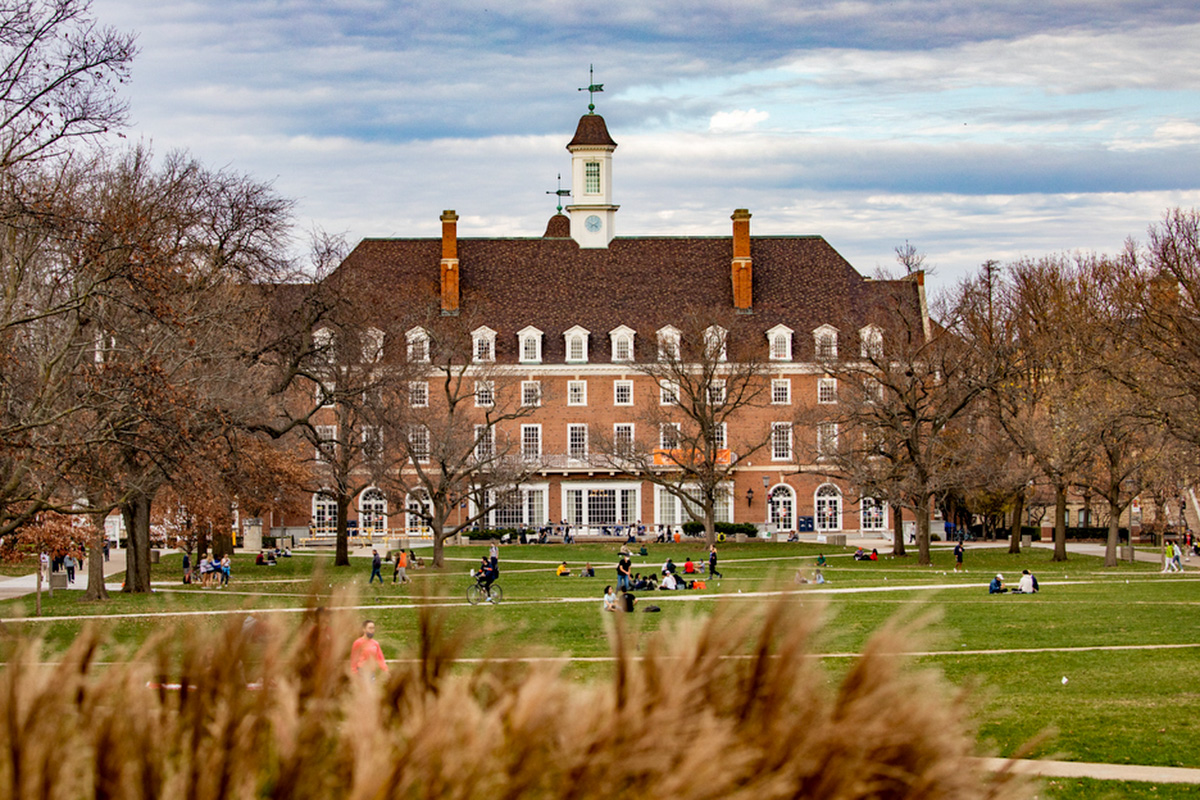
(376, 565)
(366, 656)
(712, 562)
(401, 572)
(958, 555)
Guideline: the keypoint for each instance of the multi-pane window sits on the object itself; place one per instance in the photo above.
(825, 340)
(326, 442)
(372, 441)
(715, 348)
(531, 393)
(595, 506)
(720, 439)
(577, 347)
(591, 173)
(668, 435)
(324, 514)
(827, 390)
(781, 345)
(872, 342)
(716, 394)
(623, 437)
(518, 507)
(668, 393)
(874, 517)
(372, 345)
(531, 348)
(418, 442)
(829, 508)
(325, 392)
(781, 391)
(668, 344)
(418, 345)
(577, 393)
(622, 393)
(485, 394)
(781, 441)
(827, 438)
(418, 394)
(531, 442)
(623, 348)
(485, 442)
(484, 344)
(577, 441)
(872, 390)
(372, 513)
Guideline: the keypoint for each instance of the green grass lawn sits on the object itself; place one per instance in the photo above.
(1118, 706)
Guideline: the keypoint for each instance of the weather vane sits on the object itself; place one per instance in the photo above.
(561, 192)
(591, 89)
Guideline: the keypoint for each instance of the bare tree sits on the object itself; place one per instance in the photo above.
(710, 372)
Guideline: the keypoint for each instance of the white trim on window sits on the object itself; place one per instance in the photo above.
(483, 345)
(575, 339)
(873, 514)
(577, 393)
(485, 394)
(621, 343)
(827, 503)
(622, 393)
(871, 342)
(529, 345)
(826, 391)
(827, 439)
(623, 433)
(781, 441)
(668, 338)
(716, 343)
(781, 391)
(825, 342)
(779, 343)
(418, 345)
(668, 393)
(418, 394)
(531, 393)
(531, 442)
(577, 441)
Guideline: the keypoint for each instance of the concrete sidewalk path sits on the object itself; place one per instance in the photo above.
(1104, 772)
(22, 585)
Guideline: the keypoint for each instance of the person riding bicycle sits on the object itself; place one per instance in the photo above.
(487, 573)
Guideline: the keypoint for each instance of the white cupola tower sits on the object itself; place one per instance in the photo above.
(593, 213)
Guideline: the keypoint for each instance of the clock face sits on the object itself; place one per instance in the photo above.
(592, 223)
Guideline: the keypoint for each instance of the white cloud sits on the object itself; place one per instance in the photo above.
(736, 121)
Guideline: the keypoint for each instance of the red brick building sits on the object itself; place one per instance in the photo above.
(572, 313)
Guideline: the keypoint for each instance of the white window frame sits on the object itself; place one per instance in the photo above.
(417, 340)
(871, 342)
(781, 446)
(531, 434)
(781, 496)
(669, 435)
(327, 439)
(580, 335)
(721, 435)
(324, 507)
(369, 433)
(668, 393)
(485, 394)
(529, 345)
(418, 443)
(530, 516)
(827, 391)
(585, 492)
(825, 521)
(621, 443)
(672, 511)
(827, 439)
(373, 502)
(526, 388)
(485, 443)
(717, 395)
(716, 343)
(825, 342)
(324, 345)
(873, 514)
(779, 343)
(592, 171)
(483, 345)
(786, 385)
(372, 345)
(577, 393)
(418, 394)
(668, 339)
(617, 387)
(618, 336)
(572, 428)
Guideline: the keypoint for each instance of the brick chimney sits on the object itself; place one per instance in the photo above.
(449, 262)
(742, 271)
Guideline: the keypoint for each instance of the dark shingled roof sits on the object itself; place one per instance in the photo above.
(559, 227)
(643, 282)
(592, 131)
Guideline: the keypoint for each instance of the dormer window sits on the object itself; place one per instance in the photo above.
(576, 340)
(622, 343)
(372, 345)
(779, 340)
(322, 340)
(668, 344)
(483, 345)
(825, 342)
(715, 343)
(530, 340)
(418, 345)
(871, 339)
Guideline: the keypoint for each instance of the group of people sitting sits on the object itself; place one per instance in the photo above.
(269, 557)
(863, 555)
(671, 581)
(1027, 585)
(563, 571)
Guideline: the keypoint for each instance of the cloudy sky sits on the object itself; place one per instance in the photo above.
(986, 129)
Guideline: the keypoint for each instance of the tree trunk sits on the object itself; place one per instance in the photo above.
(1114, 530)
(710, 525)
(342, 556)
(95, 556)
(222, 545)
(921, 512)
(1060, 522)
(439, 544)
(136, 513)
(1014, 534)
(897, 531)
(37, 608)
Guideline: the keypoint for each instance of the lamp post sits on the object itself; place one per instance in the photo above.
(769, 503)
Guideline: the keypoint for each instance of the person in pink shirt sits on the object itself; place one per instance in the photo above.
(366, 654)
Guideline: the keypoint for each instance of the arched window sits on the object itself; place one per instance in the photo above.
(828, 501)
(483, 344)
(418, 345)
(825, 342)
(779, 340)
(668, 343)
(372, 345)
(715, 343)
(530, 339)
(324, 515)
(372, 513)
(576, 339)
(871, 339)
(622, 343)
(415, 523)
(874, 514)
(781, 504)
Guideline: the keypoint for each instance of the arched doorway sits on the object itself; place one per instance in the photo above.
(372, 514)
(417, 524)
(828, 502)
(782, 502)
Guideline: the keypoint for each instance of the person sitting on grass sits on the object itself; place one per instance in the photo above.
(820, 559)
(671, 583)
(874, 555)
(689, 568)
(668, 567)
(997, 585)
(861, 555)
(818, 578)
(588, 571)
(1027, 584)
(563, 570)
(610, 599)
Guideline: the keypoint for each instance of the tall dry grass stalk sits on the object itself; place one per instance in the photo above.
(729, 706)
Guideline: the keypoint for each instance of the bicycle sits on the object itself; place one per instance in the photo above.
(476, 593)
